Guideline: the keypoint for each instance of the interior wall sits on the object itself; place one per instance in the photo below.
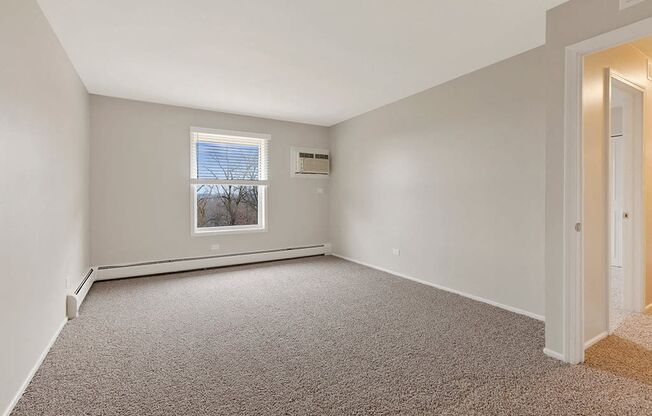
(631, 63)
(567, 24)
(140, 193)
(44, 189)
(454, 178)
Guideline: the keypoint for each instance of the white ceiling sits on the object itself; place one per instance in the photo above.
(313, 61)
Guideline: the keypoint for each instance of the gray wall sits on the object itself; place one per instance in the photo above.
(44, 215)
(454, 177)
(567, 24)
(140, 193)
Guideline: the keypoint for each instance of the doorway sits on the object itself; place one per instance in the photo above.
(625, 147)
(588, 216)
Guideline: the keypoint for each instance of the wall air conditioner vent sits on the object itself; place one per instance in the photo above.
(309, 162)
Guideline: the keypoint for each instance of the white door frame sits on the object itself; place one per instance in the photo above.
(634, 268)
(573, 288)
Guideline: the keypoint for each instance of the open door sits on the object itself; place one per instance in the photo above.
(625, 199)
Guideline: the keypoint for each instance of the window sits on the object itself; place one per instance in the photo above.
(228, 177)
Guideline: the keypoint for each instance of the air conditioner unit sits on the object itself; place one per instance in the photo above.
(310, 162)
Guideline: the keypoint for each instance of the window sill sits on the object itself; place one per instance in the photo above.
(229, 230)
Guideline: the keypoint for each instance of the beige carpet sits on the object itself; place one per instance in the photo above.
(617, 312)
(628, 351)
(318, 336)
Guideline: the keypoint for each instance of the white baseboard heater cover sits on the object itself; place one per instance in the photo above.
(122, 271)
(74, 300)
(206, 262)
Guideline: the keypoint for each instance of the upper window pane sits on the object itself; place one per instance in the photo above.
(228, 161)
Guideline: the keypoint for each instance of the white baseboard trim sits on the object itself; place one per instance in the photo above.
(596, 339)
(553, 354)
(447, 289)
(33, 371)
(208, 262)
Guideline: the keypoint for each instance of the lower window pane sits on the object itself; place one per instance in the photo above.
(226, 205)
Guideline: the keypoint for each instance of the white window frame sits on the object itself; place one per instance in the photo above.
(195, 133)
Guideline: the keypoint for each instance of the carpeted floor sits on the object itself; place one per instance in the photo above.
(617, 311)
(628, 351)
(318, 336)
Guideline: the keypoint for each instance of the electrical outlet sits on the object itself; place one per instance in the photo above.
(396, 252)
(320, 191)
(215, 247)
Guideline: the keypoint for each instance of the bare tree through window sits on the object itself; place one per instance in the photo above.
(234, 202)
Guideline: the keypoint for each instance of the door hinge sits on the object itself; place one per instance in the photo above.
(578, 227)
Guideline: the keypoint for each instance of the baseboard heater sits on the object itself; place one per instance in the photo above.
(74, 300)
(148, 268)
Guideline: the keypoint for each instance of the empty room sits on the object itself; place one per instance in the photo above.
(284, 207)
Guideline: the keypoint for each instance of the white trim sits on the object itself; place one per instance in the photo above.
(573, 279)
(34, 369)
(639, 223)
(187, 264)
(231, 133)
(573, 307)
(553, 354)
(235, 229)
(588, 344)
(447, 289)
